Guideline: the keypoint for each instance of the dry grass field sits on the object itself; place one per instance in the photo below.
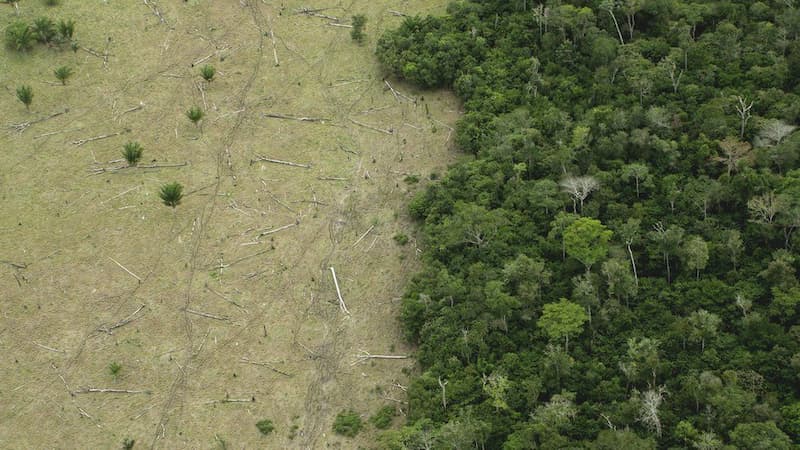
(221, 312)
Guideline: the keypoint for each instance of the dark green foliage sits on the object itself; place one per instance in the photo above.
(127, 443)
(348, 423)
(44, 29)
(411, 179)
(20, 36)
(62, 73)
(25, 95)
(195, 114)
(383, 418)
(66, 28)
(52, 2)
(171, 194)
(114, 369)
(357, 33)
(400, 238)
(208, 72)
(265, 426)
(132, 152)
(653, 186)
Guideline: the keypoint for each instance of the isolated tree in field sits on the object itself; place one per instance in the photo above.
(132, 152)
(587, 241)
(562, 319)
(207, 72)
(195, 114)
(357, 33)
(579, 189)
(696, 254)
(62, 73)
(703, 325)
(171, 194)
(44, 29)
(20, 36)
(25, 95)
(66, 28)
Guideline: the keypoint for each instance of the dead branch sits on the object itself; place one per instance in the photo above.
(398, 95)
(275, 230)
(20, 127)
(135, 108)
(315, 13)
(223, 297)
(202, 90)
(99, 170)
(15, 264)
(204, 314)
(363, 235)
(342, 306)
(272, 38)
(125, 269)
(345, 83)
(397, 13)
(381, 130)
(80, 142)
(267, 365)
(55, 350)
(232, 400)
(365, 356)
(91, 390)
(56, 132)
(121, 194)
(278, 161)
(332, 179)
(154, 8)
(300, 119)
(121, 323)
(339, 25)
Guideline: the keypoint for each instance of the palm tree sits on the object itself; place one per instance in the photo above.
(171, 194)
(195, 114)
(62, 73)
(208, 72)
(25, 95)
(132, 151)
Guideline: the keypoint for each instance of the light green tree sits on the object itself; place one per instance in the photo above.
(703, 325)
(696, 254)
(587, 241)
(562, 319)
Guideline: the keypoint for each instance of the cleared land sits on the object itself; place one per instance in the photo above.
(95, 271)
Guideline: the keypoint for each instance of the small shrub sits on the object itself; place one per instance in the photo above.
(357, 33)
(114, 369)
(44, 29)
(66, 28)
(25, 95)
(400, 238)
(208, 72)
(195, 114)
(127, 443)
(19, 36)
(265, 427)
(348, 423)
(171, 194)
(132, 151)
(62, 73)
(411, 179)
(52, 2)
(383, 418)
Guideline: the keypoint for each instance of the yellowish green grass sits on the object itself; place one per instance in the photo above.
(82, 250)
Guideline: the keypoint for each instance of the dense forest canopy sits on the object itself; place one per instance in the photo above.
(617, 266)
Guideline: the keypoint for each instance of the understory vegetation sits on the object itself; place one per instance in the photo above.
(617, 265)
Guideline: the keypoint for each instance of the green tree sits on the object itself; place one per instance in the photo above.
(171, 194)
(195, 114)
(357, 33)
(562, 319)
(132, 152)
(696, 253)
(760, 436)
(703, 325)
(587, 241)
(62, 73)
(667, 242)
(208, 72)
(25, 95)
(20, 36)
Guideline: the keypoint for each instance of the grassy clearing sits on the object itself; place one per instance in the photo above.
(83, 250)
